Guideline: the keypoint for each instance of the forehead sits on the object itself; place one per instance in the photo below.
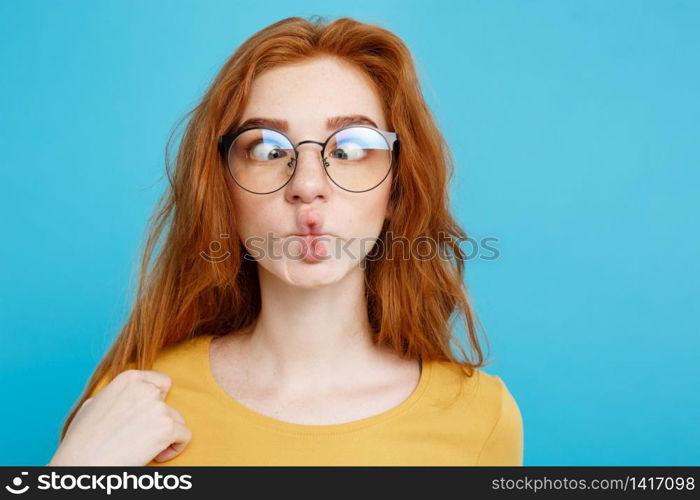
(308, 94)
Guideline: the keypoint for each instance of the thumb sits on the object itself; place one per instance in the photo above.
(170, 452)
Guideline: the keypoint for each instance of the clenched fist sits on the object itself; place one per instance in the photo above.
(126, 423)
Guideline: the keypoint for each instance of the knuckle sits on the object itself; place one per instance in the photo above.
(167, 380)
(167, 424)
(163, 408)
(159, 412)
(130, 376)
(152, 391)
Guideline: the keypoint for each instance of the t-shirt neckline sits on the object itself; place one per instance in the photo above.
(307, 429)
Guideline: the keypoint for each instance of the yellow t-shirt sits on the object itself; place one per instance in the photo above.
(433, 426)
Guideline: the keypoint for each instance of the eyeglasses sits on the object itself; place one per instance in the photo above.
(263, 160)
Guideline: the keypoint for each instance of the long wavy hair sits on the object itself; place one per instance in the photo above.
(411, 302)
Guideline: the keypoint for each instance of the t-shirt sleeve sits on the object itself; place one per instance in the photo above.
(504, 445)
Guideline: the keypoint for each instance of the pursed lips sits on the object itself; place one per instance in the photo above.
(313, 243)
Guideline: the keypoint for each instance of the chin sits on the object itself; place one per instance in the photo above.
(305, 274)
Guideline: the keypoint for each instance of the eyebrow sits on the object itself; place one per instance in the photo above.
(332, 123)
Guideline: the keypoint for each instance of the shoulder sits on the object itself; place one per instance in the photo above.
(488, 407)
(174, 360)
(504, 443)
(487, 388)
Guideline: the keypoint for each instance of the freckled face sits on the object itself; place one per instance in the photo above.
(306, 95)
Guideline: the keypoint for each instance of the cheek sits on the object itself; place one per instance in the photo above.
(252, 215)
(366, 213)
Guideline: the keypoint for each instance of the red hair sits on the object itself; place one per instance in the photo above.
(411, 302)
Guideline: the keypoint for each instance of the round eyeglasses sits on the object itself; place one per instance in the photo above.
(356, 158)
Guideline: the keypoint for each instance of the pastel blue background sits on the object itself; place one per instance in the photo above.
(575, 125)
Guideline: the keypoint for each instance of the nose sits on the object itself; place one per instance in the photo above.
(309, 180)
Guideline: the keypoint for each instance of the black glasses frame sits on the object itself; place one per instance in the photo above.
(392, 138)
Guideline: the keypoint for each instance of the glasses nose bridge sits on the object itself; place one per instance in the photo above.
(312, 142)
(320, 151)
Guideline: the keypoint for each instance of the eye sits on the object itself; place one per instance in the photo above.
(265, 151)
(350, 151)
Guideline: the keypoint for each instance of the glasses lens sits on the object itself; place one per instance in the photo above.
(359, 158)
(261, 160)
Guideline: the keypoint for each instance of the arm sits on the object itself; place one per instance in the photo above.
(125, 422)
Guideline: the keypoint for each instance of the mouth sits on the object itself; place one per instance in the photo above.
(313, 247)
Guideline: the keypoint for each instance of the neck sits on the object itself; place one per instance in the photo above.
(311, 337)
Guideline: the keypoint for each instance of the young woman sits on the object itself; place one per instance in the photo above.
(299, 309)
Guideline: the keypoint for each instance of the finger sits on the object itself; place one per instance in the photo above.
(166, 454)
(162, 381)
(176, 415)
(158, 379)
(181, 436)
